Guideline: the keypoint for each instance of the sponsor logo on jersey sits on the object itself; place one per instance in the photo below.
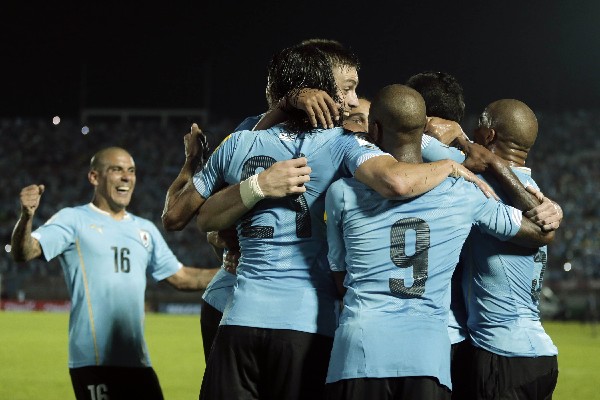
(96, 228)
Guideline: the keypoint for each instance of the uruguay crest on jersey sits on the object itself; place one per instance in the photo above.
(145, 237)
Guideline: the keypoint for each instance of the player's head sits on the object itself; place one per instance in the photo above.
(442, 93)
(397, 117)
(112, 173)
(358, 119)
(330, 68)
(507, 124)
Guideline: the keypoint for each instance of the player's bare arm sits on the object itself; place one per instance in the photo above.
(317, 104)
(23, 246)
(394, 179)
(183, 200)
(225, 207)
(192, 279)
(444, 130)
(531, 235)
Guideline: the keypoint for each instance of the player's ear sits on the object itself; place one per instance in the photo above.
(489, 136)
(375, 132)
(93, 177)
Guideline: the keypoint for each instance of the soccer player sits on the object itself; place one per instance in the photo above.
(514, 358)
(276, 333)
(398, 257)
(105, 253)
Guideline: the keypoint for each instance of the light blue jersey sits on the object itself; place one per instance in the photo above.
(219, 290)
(502, 284)
(105, 262)
(399, 257)
(434, 150)
(283, 278)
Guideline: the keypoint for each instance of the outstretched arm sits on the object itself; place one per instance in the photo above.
(23, 246)
(183, 200)
(191, 279)
(225, 207)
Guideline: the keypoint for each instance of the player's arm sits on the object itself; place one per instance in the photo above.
(542, 211)
(225, 207)
(395, 179)
(23, 246)
(317, 104)
(532, 235)
(183, 200)
(444, 130)
(191, 279)
(548, 214)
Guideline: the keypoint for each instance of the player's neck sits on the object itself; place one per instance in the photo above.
(408, 153)
(117, 213)
(515, 157)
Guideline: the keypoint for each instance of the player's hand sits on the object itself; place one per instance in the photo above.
(478, 157)
(30, 199)
(196, 146)
(224, 239)
(458, 170)
(285, 178)
(444, 130)
(547, 215)
(231, 260)
(317, 104)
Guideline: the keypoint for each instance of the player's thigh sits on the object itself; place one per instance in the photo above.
(401, 388)
(96, 383)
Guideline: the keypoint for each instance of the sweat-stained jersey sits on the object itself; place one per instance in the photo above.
(399, 257)
(283, 278)
(502, 284)
(105, 262)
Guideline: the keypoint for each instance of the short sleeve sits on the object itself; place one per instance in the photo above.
(212, 175)
(163, 262)
(434, 150)
(353, 149)
(57, 234)
(491, 216)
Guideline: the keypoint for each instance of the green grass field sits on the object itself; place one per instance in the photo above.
(33, 356)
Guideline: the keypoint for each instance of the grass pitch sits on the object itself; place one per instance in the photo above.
(33, 356)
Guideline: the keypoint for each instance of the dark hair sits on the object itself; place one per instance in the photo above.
(442, 93)
(307, 65)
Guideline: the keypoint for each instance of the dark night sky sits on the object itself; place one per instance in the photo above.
(195, 53)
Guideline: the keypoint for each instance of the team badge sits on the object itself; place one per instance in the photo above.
(145, 236)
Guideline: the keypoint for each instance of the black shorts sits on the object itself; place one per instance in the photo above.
(512, 378)
(408, 388)
(252, 363)
(115, 383)
(209, 323)
(461, 369)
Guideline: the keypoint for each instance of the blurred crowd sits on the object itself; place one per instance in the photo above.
(564, 160)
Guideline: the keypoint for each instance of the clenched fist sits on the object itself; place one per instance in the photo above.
(30, 199)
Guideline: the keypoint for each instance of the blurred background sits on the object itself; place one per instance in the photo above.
(79, 76)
